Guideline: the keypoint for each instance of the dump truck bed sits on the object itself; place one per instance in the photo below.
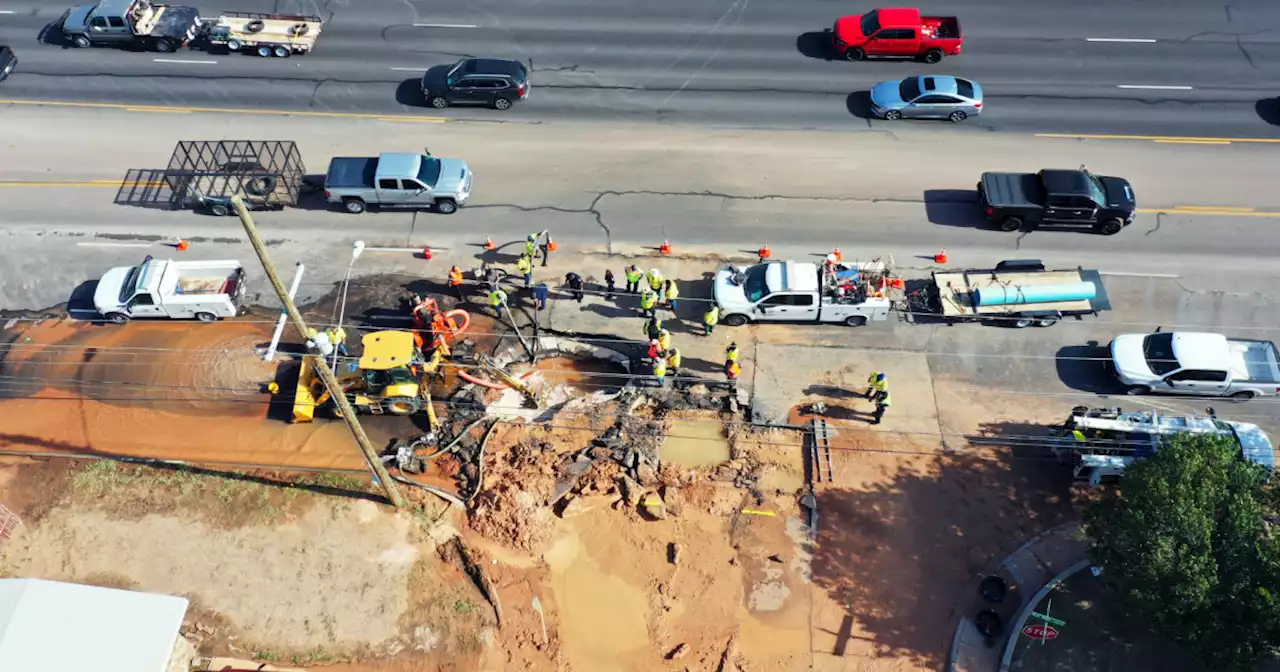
(956, 291)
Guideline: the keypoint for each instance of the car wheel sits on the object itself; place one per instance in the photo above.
(1011, 224)
(1046, 321)
(1110, 227)
(206, 317)
(439, 102)
(354, 206)
(264, 51)
(117, 318)
(446, 206)
(282, 52)
(734, 320)
(958, 116)
(855, 54)
(219, 210)
(501, 104)
(855, 320)
(234, 45)
(1135, 390)
(1023, 322)
(933, 56)
(1243, 395)
(81, 42)
(166, 46)
(892, 115)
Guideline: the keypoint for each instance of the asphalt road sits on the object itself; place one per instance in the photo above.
(720, 63)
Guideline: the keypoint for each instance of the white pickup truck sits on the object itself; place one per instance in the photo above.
(1202, 364)
(789, 291)
(204, 290)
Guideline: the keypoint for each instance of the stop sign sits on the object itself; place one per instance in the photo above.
(1040, 631)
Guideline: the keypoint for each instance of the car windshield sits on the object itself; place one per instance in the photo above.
(870, 22)
(1096, 191)
(130, 284)
(754, 287)
(429, 171)
(1158, 349)
(909, 89)
(964, 87)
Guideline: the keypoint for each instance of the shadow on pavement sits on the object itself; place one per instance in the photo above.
(816, 44)
(1269, 110)
(953, 207)
(409, 92)
(859, 104)
(1083, 367)
(80, 303)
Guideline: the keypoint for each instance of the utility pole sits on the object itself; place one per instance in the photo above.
(322, 367)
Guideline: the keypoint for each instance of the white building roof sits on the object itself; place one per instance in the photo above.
(50, 626)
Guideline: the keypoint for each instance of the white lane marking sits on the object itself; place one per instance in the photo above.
(6, 11)
(114, 244)
(1158, 88)
(409, 69)
(444, 25)
(179, 60)
(1118, 39)
(1126, 274)
(399, 249)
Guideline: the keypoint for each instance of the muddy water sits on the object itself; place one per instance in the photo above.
(695, 443)
(604, 618)
(587, 374)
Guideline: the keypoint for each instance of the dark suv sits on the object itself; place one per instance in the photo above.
(7, 61)
(487, 81)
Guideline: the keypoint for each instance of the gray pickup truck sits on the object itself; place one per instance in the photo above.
(398, 181)
(165, 28)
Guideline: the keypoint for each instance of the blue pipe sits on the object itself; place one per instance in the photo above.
(1011, 295)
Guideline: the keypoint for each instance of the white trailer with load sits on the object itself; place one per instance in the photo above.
(1184, 362)
(789, 291)
(279, 35)
(1016, 293)
(203, 290)
(1101, 442)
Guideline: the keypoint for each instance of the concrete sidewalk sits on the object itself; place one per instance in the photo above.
(1028, 569)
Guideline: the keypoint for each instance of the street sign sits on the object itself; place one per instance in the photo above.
(1047, 618)
(1041, 632)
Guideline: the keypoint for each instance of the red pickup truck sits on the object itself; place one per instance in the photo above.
(900, 33)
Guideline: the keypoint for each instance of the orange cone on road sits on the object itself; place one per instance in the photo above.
(940, 257)
(665, 248)
(488, 244)
(765, 252)
(181, 246)
(551, 245)
(427, 253)
(837, 254)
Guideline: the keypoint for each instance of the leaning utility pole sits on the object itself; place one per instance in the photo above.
(322, 367)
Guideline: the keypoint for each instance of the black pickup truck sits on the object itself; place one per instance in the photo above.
(1069, 198)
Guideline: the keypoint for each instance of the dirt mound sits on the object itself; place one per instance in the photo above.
(519, 483)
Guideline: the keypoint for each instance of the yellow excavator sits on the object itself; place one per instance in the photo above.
(388, 378)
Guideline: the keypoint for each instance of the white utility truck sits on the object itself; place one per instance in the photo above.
(1100, 442)
(204, 290)
(1202, 364)
(789, 291)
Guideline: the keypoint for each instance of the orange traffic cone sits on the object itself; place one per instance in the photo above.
(488, 244)
(181, 246)
(551, 245)
(940, 257)
(765, 252)
(837, 254)
(666, 247)
(427, 254)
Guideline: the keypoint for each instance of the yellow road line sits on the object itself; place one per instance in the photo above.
(1216, 213)
(1193, 142)
(224, 110)
(1213, 207)
(1156, 138)
(115, 184)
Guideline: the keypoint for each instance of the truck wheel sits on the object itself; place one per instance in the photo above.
(734, 320)
(81, 42)
(439, 102)
(264, 51)
(117, 318)
(400, 405)
(166, 46)
(219, 210)
(1135, 390)
(446, 206)
(1046, 321)
(1022, 322)
(933, 56)
(282, 52)
(1243, 395)
(501, 104)
(892, 115)
(1011, 224)
(234, 45)
(957, 117)
(354, 206)
(855, 320)
(1110, 227)
(855, 54)
(206, 317)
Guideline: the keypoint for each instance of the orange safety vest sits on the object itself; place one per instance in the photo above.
(455, 276)
(731, 369)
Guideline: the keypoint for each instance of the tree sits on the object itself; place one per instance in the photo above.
(1185, 544)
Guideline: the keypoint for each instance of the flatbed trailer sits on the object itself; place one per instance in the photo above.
(954, 296)
(279, 35)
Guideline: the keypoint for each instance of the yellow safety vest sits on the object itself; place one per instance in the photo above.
(731, 354)
(497, 297)
(1078, 435)
(455, 276)
(655, 281)
(673, 358)
(524, 265)
(660, 368)
(530, 244)
(878, 384)
(648, 300)
(337, 335)
(633, 274)
(673, 292)
(664, 340)
(711, 317)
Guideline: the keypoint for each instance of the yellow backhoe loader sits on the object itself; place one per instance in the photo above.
(388, 378)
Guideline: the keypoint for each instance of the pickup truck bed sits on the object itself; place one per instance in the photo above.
(347, 173)
(955, 292)
(1254, 361)
(176, 22)
(1012, 190)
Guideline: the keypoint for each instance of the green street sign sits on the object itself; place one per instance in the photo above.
(1047, 618)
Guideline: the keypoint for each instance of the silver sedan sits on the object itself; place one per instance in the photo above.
(927, 97)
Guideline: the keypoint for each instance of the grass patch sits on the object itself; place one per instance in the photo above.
(335, 482)
(464, 606)
(319, 655)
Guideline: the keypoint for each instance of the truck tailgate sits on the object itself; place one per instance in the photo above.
(1011, 190)
(351, 173)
